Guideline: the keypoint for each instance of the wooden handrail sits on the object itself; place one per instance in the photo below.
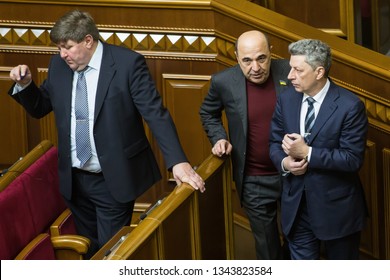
(181, 193)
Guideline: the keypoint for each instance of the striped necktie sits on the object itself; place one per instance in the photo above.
(310, 117)
(83, 144)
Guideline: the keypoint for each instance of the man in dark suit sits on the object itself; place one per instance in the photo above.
(318, 137)
(100, 188)
(247, 93)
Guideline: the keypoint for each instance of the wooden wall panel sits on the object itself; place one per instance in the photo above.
(181, 246)
(149, 250)
(13, 124)
(47, 124)
(245, 247)
(370, 236)
(183, 95)
(333, 17)
(386, 200)
(319, 14)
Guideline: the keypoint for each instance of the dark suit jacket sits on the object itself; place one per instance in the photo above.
(228, 92)
(334, 193)
(125, 96)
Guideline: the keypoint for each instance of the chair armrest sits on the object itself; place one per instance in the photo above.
(70, 246)
(64, 224)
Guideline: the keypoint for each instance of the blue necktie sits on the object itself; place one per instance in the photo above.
(310, 117)
(83, 144)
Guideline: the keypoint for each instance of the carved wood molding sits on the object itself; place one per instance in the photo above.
(166, 43)
(177, 4)
(161, 42)
(377, 108)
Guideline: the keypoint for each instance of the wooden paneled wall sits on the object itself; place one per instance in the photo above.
(185, 42)
(333, 17)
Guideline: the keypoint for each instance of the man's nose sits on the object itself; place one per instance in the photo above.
(255, 65)
(63, 53)
(290, 75)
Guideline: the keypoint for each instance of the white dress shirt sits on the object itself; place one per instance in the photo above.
(92, 77)
(319, 97)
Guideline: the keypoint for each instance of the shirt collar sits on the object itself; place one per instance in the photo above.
(319, 97)
(96, 58)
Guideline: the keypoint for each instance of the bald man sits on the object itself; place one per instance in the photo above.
(247, 93)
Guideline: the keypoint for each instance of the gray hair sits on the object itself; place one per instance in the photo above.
(317, 53)
(74, 25)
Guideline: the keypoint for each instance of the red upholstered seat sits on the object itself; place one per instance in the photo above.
(40, 248)
(23, 163)
(29, 205)
(42, 189)
(34, 220)
(16, 223)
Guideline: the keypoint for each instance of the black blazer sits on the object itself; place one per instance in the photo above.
(228, 92)
(125, 96)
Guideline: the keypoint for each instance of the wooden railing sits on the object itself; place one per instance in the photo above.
(186, 225)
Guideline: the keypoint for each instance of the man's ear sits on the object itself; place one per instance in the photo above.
(236, 55)
(320, 71)
(89, 41)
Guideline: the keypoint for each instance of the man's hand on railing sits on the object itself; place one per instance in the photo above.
(222, 147)
(184, 173)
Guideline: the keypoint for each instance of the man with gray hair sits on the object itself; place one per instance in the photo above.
(318, 137)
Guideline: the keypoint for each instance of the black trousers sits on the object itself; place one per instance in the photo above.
(260, 197)
(304, 245)
(97, 215)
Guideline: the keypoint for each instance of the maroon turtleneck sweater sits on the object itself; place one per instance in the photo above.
(261, 105)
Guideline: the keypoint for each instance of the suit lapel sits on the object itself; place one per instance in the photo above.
(65, 93)
(106, 75)
(239, 94)
(279, 76)
(296, 105)
(328, 107)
